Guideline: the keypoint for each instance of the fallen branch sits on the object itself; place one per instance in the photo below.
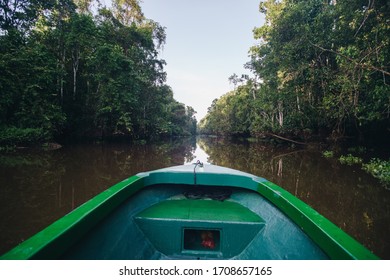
(286, 139)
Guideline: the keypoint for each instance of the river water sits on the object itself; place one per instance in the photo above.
(37, 187)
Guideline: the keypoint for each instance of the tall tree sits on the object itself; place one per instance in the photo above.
(66, 71)
(128, 11)
(22, 14)
(84, 6)
(324, 67)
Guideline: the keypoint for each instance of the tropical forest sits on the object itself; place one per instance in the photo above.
(77, 69)
(321, 71)
(87, 100)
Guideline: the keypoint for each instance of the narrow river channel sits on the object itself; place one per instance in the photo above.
(37, 187)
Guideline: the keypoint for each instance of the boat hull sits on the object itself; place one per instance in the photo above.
(151, 216)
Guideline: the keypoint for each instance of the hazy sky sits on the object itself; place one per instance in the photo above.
(207, 42)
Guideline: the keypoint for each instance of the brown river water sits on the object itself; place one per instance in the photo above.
(37, 187)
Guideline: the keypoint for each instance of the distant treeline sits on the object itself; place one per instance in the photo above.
(79, 69)
(321, 68)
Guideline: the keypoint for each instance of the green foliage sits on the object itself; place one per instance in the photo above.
(323, 67)
(379, 169)
(231, 114)
(350, 159)
(328, 154)
(12, 136)
(68, 72)
(22, 14)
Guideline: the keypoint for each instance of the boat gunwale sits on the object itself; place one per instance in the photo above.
(52, 241)
(336, 243)
(55, 239)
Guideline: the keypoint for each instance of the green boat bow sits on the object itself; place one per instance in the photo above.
(151, 216)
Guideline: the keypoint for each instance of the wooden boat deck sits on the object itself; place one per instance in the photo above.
(200, 227)
(142, 228)
(200, 210)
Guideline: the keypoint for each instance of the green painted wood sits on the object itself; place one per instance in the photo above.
(200, 210)
(333, 240)
(172, 218)
(54, 240)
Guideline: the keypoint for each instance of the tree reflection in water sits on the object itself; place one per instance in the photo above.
(346, 195)
(38, 187)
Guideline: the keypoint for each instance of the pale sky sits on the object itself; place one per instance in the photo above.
(207, 42)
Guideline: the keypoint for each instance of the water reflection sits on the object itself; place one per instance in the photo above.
(38, 187)
(346, 195)
(199, 154)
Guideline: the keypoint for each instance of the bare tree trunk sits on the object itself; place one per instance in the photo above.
(280, 113)
(62, 78)
(76, 60)
(280, 168)
(61, 60)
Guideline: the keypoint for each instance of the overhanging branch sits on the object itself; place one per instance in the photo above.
(360, 64)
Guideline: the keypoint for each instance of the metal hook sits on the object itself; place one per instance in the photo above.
(196, 164)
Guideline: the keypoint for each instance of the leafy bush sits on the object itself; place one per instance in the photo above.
(328, 154)
(379, 169)
(13, 136)
(350, 159)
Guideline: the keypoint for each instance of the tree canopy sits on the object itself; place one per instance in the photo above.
(320, 68)
(77, 68)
